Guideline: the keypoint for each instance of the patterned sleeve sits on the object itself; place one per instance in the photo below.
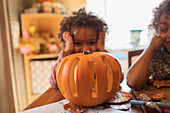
(52, 78)
(155, 65)
(152, 65)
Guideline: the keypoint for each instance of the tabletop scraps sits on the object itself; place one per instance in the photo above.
(167, 83)
(115, 102)
(144, 97)
(74, 108)
(120, 97)
(157, 97)
(159, 84)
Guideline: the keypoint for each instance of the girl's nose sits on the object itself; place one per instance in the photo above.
(166, 37)
(85, 48)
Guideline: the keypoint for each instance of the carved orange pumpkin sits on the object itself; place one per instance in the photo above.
(88, 79)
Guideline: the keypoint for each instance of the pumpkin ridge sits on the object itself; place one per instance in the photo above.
(59, 80)
(116, 70)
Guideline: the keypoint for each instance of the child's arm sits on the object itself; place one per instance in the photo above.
(52, 78)
(139, 72)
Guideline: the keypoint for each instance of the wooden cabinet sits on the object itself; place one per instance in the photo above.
(43, 23)
(39, 78)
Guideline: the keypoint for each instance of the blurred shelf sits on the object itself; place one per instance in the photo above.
(44, 23)
(42, 56)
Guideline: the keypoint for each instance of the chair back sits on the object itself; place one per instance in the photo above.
(133, 55)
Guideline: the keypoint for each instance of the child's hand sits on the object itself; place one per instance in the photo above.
(156, 42)
(101, 42)
(68, 43)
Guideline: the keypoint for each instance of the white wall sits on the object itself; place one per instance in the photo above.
(123, 16)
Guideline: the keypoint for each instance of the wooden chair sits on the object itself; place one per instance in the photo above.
(133, 55)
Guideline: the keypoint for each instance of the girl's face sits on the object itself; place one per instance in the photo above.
(84, 38)
(164, 29)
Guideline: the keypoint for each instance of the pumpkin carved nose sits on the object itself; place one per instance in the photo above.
(88, 79)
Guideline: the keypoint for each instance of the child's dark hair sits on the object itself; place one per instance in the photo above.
(79, 19)
(164, 7)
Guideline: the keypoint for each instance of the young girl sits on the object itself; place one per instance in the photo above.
(155, 60)
(79, 32)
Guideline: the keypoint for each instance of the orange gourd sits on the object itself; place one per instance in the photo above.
(88, 79)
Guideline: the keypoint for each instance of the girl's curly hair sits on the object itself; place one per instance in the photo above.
(79, 19)
(163, 8)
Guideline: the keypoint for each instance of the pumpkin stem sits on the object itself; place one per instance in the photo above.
(87, 52)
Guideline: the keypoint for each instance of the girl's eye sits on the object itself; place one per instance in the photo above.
(163, 30)
(91, 43)
(77, 43)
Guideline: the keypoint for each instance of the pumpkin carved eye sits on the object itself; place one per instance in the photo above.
(88, 79)
(60, 75)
